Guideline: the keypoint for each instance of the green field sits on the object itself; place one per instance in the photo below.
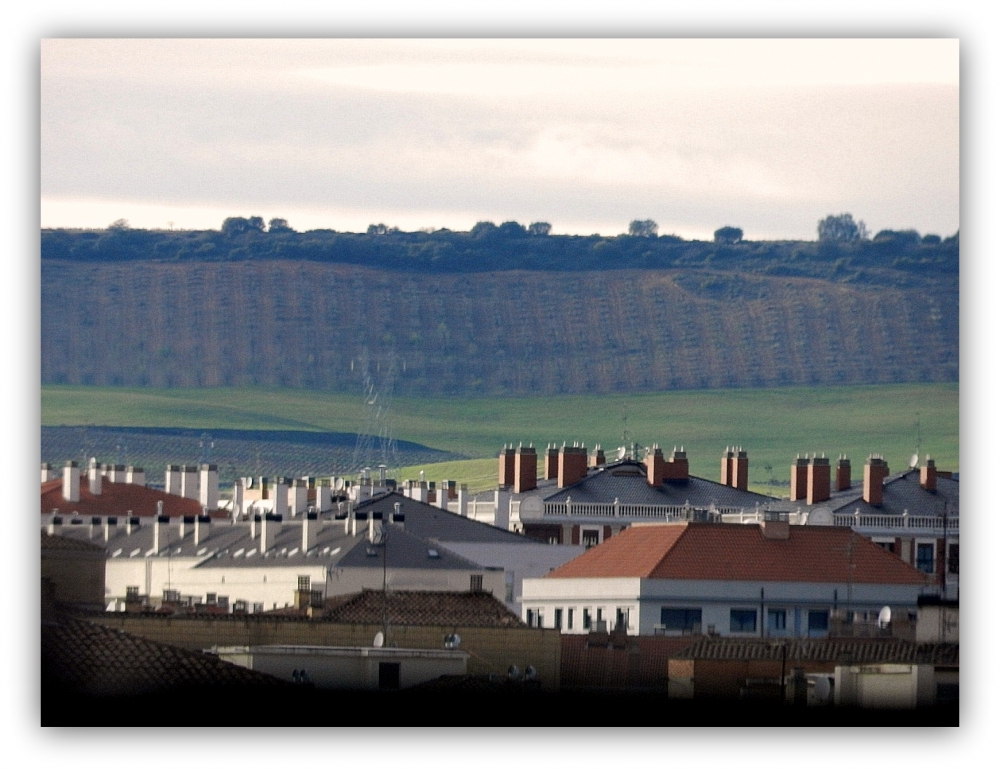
(771, 424)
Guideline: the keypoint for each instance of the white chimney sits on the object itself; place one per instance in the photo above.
(135, 475)
(128, 523)
(463, 500)
(202, 526)
(254, 518)
(172, 480)
(182, 525)
(161, 533)
(208, 486)
(189, 482)
(94, 476)
(324, 501)
(298, 497)
(71, 482)
(238, 498)
(501, 503)
(442, 496)
(109, 521)
(354, 521)
(47, 473)
(280, 495)
(269, 527)
(310, 526)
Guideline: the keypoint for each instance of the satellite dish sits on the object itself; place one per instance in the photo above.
(884, 617)
(914, 460)
(451, 641)
(379, 640)
(821, 517)
(822, 689)
(338, 483)
(621, 452)
(514, 672)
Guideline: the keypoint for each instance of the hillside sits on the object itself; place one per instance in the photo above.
(315, 325)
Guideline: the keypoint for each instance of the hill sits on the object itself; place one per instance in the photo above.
(322, 325)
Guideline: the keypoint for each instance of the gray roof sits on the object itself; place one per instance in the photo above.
(626, 481)
(404, 551)
(434, 523)
(904, 493)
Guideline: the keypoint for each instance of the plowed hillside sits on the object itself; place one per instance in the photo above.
(310, 325)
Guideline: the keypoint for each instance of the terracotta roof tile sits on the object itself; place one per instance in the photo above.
(116, 499)
(426, 608)
(858, 651)
(702, 551)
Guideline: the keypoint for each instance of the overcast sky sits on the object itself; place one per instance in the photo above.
(767, 135)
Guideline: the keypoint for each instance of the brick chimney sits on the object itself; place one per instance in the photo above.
(726, 474)
(876, 470)
(71, 482)
(572, 465)
(525, 469)
(597, 459)
(928, 476)
(818, 480)
(551, 462)
(507, 466)
(843, 473)
(740, 474)
(676, 468)
(800, 472)
(655, 466)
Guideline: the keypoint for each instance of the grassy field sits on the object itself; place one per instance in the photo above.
(771, 424)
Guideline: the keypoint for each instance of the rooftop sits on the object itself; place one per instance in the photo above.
(854, 651)
(704, 551)
(116, 499)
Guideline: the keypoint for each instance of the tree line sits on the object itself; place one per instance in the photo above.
(843, 251)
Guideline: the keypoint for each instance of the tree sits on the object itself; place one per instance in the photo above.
(643, 228)
(119, 224)
(277, 225)
(511, 230)
(539, 228)
(239, 225)
(728, 234)
(482, 229)
(841, 229)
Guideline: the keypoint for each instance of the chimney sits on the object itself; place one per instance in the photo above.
(131, 522)
(597, 459)
(161, 533)
(134, 475)
(208, 486)
(172, 480)
(817, 480)
(775, 530)
(726, 474)
(463, 500)
(94, 476)
(238, 498)
(95, 521)
(254, 521)
(740, 474)
(800, 475)
(298, 497)
(876, 470)
(572, 465)
(525, 469)
(928, 476)
(507, 466)
(189, 482)
(269, 529)
(310, 527)
(551, 462)
(676, 468)
(324, 501)
(117, 474)
(443, 493)
(843, 473)
(109, 522)
(202, 526)
(281, 496)
(398, 517)
(71, 482)
(47, 474)
(358, 516)
(655, 466)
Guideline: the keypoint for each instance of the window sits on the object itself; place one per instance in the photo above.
(541, 619)
(586, 618)
(683, 619)
(953, 558)
(777, 621)
(569, 619)
(303, 582)
(925, 557)
(600, 614)
(888, 545)
(475, 583)
(621, 619)
(590, 537)
(558, 618)
(529, 618)
(742, 621)
(818, 622)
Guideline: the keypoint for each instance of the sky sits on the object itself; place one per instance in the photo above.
(769, 135)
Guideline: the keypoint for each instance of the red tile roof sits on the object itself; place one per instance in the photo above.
(702, 551)
(117, 499)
